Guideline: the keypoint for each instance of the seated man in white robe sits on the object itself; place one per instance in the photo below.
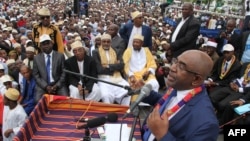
(109, 67)
(82, 88)
(140, 65)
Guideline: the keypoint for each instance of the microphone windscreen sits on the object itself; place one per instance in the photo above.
(146, 89)
(112, 117)
(96, 122)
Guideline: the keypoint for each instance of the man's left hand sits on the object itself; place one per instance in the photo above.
(158, 124)
(146, 75)
(8, 132)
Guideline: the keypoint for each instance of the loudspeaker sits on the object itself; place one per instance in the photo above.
(76, 6)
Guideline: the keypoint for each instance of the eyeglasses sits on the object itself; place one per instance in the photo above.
(182, 66)
(43, 17)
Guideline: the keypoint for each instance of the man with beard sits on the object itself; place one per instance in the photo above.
(109, 67)
(140, 65)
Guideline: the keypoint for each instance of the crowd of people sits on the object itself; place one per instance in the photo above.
(129, 45)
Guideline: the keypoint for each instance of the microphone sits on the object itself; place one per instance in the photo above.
(111, 117)
(96, 79)
(145, 91)
(83, 119)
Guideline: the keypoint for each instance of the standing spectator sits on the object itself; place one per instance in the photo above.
(229, 36)
(48, 70)
(117, 42)
(186, 33)
(136, 27)
(44, 27)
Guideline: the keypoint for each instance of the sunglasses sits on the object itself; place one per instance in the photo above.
(43, 17)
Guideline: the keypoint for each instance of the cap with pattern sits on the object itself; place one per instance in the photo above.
(135, 14)
(12, 94)
(76, 44)
(106, 36)
(43, 12)
(138, 36)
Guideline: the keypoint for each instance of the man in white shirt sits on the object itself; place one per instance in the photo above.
(140, 64)
(186, 33)
(185, 112)
(128, 31)
(14, 116)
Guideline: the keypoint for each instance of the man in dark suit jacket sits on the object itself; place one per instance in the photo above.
(225, 70)
(230, 36)
(48, 70)
(81, 63)
(186, 32)
(195, 120)
(238, 92)
(136, 27)
(117, 42)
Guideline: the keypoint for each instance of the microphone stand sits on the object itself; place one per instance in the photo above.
(96, 79)
(87, 135)
(136, 113)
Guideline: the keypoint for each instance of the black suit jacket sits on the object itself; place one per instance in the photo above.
(233, 73)
(187, 36)
(234, 41)
(89, 70)
(119, 45)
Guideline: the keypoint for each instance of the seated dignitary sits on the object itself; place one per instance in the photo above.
(109, 67)
(185, 112)
(238, 89)
(85, 65)
(48, 68)
(27, 99)
(228, 115)
(210, 48)
(225, 69)
(140, 64)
